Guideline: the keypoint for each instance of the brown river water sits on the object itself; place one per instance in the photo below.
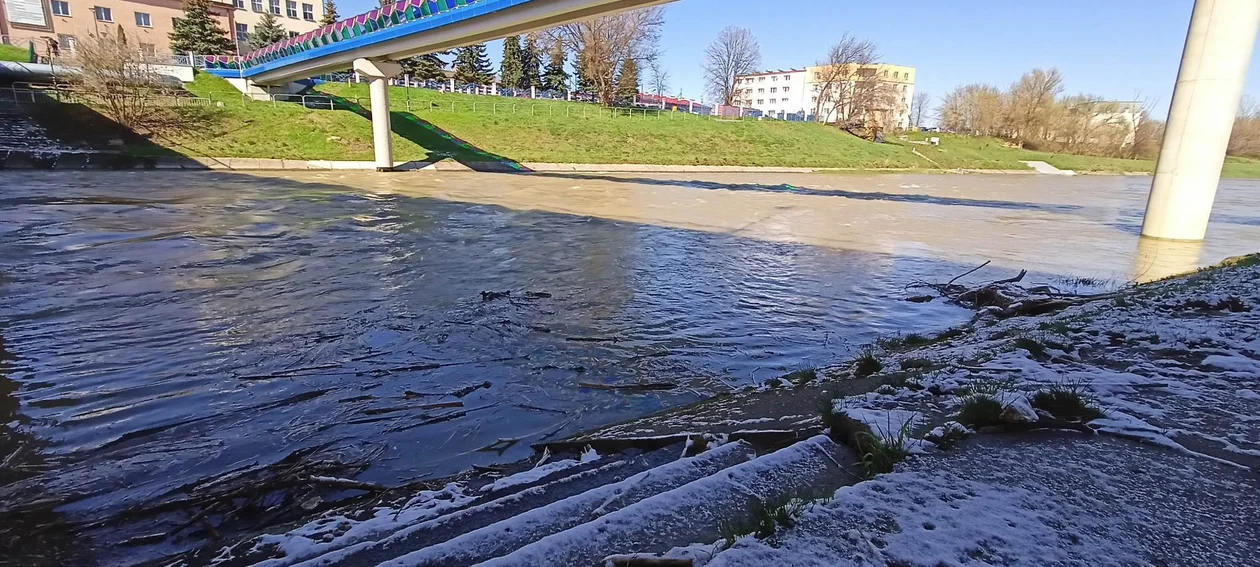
(159, 328)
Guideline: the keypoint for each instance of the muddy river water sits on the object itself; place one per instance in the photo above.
(157, 328)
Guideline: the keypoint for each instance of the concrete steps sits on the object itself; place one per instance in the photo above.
(646, 503)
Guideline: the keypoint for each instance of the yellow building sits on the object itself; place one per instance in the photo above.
(888, 90)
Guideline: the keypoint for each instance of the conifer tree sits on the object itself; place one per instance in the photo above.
(268, 31)
(555, 78)
(330, 13)
(199, 32)
(511, 71)
(628, 82)
(473, 66)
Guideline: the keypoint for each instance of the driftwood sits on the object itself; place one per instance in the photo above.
(639, 387)
(636, 561)
(1004, 298)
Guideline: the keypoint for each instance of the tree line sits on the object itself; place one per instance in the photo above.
(1034, 113)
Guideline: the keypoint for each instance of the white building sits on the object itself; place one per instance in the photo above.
(777, 94)
(793, 94)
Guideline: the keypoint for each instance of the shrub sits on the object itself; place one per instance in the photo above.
(1069, 402)
(980, 411)
(866, 364)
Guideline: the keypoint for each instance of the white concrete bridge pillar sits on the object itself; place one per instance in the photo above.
(1204, 104)
(379, 73)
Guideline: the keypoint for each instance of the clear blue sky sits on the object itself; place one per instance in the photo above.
(1118, 49)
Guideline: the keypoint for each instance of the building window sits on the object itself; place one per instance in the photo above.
(290, 9)
(103, 14)
(143, 20)
(787, 77)
(256, 5)
(785, 89)
(761, 91)
(293, 34)
(65, 42)
(761, 101)
(308, 12)
(273, 6)
(60, 8)
(885, 73)
(896, 74)
(242, 32)
(775, 78)
(774, 89)
(762, 79)
(239, 4)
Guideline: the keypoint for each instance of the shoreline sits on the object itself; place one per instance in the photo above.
(28, 160)
(1144, 392)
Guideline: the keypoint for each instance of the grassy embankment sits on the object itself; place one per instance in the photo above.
(15, 53)
(970, 152)
(555, 131)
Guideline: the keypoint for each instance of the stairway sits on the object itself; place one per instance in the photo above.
(18, 133)
(642, 503)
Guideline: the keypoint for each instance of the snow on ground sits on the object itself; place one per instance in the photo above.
(1049, 498)
(540, 471)
(337, 530)
(1174, 367)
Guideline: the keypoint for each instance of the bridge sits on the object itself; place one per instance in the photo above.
(372, 42)
(1205, 100)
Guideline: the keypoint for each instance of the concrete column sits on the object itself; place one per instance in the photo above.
(379, 72)
(1204, 104)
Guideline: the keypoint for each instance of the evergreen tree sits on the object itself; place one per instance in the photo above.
(198, 32)
(531, 61)
(268, 31)
(584, 83)
(555, 78)
(426, 67)
(472, 65)
(628, 82)
(511, 72)
(330, 13)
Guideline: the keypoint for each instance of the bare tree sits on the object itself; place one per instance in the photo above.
(1031, 104)
(975, 109)
(120, 77)
(660, 77)
(735, 52)
(845, 80)
(604, 43)
(1245, 138)
(919, 107)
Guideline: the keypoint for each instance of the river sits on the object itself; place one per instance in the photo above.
(162, 327)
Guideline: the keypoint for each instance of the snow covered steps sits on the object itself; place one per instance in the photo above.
(689, 513)
(498, 526)
(432, 516)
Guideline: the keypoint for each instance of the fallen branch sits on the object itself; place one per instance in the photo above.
(644, 386)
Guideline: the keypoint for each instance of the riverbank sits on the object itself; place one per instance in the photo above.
(1120, 427)
(432, 127)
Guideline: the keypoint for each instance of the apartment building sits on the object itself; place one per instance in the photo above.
(146, 22)
(297, 16)
(794, 94)
(777, 94)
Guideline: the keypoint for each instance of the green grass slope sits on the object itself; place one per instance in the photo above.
(15, 53)
(555, 131)
(446, 126)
